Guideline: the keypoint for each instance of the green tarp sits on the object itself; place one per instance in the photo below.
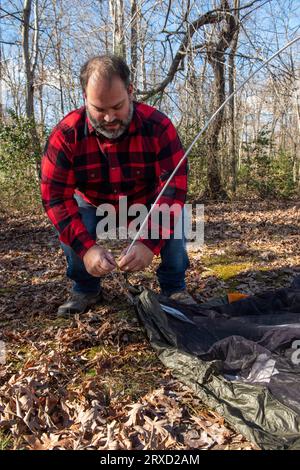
(241, 359)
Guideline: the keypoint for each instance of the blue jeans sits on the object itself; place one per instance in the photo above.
(170, 273)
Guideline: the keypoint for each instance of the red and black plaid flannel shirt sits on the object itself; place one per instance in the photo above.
(135, 165)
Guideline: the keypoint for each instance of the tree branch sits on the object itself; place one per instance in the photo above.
(207, 18)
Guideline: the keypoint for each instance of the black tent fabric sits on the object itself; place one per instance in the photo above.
(242, 359)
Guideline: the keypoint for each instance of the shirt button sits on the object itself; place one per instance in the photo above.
(115, 191)
(92, 175)
(138, 172)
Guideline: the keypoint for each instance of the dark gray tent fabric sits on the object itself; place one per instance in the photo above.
(241, 359)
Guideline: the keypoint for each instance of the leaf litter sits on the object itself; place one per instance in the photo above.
(93, 382)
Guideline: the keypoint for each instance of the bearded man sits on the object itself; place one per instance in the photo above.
(112, 147)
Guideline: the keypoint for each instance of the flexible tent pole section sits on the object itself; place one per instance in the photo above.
(204, 129)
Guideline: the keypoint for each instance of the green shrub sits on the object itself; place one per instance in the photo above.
(19, 163)
(282, 173)
(265, 173)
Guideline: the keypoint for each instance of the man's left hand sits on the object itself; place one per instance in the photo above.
(139, 257)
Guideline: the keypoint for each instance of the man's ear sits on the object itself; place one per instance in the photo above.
(130, 90)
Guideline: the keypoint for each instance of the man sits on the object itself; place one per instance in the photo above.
(109, 148)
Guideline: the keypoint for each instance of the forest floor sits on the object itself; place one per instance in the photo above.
(94, 382)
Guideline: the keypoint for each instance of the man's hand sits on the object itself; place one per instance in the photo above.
(139, 257)
(98, 261)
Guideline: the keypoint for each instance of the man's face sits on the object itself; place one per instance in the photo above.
(109, 106)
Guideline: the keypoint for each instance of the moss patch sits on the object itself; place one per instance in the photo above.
(101, 352)
(228, 271)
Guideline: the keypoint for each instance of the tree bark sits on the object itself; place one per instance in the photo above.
(117, 14)
(26, 59)
(216, 58)
(30, 63)
(231, 88)
(134, 42)
(296, 144)
(1, 105)
(58, 56)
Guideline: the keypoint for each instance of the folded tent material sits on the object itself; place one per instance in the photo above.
(240, 358)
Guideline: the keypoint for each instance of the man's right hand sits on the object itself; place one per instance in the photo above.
(98, 261)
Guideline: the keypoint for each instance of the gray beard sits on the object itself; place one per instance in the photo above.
(100, 129)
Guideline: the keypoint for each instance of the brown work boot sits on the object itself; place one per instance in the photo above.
(183, 297)
(78, 303)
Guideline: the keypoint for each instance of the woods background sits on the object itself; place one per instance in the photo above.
(186, 57)
(95, 382)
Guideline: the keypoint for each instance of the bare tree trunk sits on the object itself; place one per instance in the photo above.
(30, 63)
(1, 75)
(58, 56)
(1, 105)
(143, 79)
(40, 99)
(216, 58)
(240, 146)
(231, 88)
(26, 58)
(117, 14)
(296, 144)
(134, 41)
